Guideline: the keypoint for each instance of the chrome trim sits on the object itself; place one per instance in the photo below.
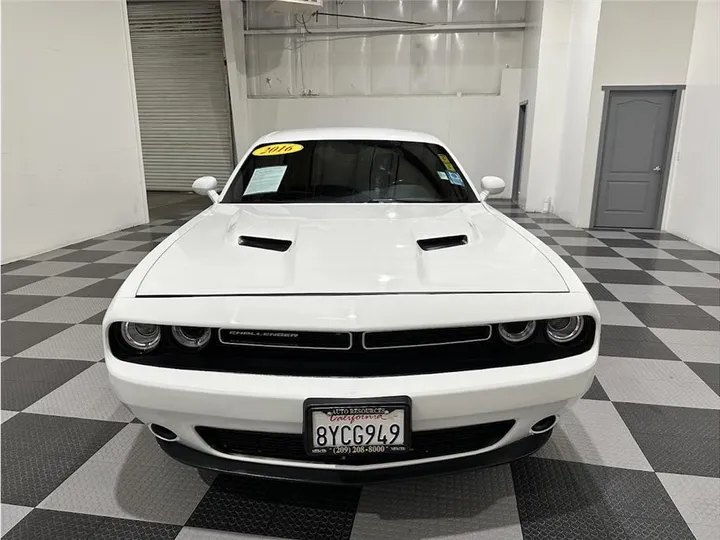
(288, 346)
(457, 342)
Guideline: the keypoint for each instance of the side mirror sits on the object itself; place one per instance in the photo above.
(206, 185)
(491, 185)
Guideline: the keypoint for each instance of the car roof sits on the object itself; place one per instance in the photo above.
(349, 133)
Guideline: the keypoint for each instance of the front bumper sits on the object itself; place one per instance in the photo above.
(195, 458)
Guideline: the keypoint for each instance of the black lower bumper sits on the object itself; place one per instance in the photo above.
(194, 458)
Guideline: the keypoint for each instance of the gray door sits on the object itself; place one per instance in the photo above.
(633, 158)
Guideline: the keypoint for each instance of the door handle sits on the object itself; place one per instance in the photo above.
(657, 169)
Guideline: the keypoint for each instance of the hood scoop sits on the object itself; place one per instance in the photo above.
(442, 242)
(271, 244)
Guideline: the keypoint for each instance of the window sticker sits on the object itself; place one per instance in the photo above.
(446, 162)
(442, 175)
(455, 179)
(265, 180)
(278, 149)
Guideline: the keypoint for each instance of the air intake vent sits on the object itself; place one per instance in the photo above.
(442, 242)
(272, 244)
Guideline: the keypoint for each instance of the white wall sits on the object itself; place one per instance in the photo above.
(639, 42)
(693, 209)
(72, 166)
(583, 38)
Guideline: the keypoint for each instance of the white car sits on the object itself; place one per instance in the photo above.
(350, 309)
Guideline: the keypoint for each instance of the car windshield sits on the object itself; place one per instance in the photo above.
(349, 171)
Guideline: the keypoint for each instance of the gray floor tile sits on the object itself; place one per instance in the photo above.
(577, 241)
(100, 271)
(560, 250)
(648, 294)
(50, 255)
(697, 498)
(617, 314)
(472, 505)
(54, 286)
(11, 515)
(655, 382)
(19, 336)
(706, 266)
(691, 345)
(123, 275)
(672, 244)
(88, 395)
(84, 256)
(44, 268)
(591, 251)
(694, 254)
(674, 439)
(712, 310)
(685, 279)
(47, 524)
(133, 487)
(584, 275)
(607, 233)
(593, 432)
(193, 533)
(125, 257)
(13, 305)
(115, 245)
(79, 342)
(655, 235)
(580, 501)
(25, 380)
(40, 452)
(617, 263)
(65, 310)
(635, 243)
(7, 415)
(643, 253)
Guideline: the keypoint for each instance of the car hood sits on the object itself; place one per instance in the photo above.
(349, 249)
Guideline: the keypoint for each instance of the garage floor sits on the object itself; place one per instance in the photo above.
(638, 458)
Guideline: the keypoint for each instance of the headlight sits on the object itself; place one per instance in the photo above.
(142, 337)
(564, 330)
(517, 332)
(191, 337)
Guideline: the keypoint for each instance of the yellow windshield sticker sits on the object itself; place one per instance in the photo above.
(278, 149)
(446, 162)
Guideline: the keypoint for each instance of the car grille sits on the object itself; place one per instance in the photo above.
(290, 446)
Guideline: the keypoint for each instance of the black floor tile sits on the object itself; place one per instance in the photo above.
(13, 305)
(85, 255)
(40, 451)
(673, 316)
(694, 254)
(633, 342)
(144, 236)
(596, 392)
(675, 439)
(17, 265)
(599, 292)
(95, 319)
(25, 380)
(631, 277)
(575, 501)
(572, 263)
(145, 248)
(10, 283)
(710, 373)
(549, 219)
(99, 270)
(531, 226)
(665, 265)
(52, 525)
(591, 251)
(701, 296)
(106, 288)
(18, 336)
(569, 233)
(85, 244)
(271, 508)
(547, 240)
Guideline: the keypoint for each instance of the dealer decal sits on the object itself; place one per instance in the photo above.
(446, 162)
(278, 149)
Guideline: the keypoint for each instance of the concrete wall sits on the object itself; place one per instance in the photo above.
(71, 159)
(693, 203)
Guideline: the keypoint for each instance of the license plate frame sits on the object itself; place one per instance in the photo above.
(389, 403)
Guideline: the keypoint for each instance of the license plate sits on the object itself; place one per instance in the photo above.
(372, 426)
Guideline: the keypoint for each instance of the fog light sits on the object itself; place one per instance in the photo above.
(142, 337)
(564, 330)
(517, 332)
(191, 337)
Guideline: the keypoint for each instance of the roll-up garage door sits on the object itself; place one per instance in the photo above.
(181, 82)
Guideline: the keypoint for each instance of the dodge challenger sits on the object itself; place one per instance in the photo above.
(350, 308)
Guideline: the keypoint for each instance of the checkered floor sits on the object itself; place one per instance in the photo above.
(638, 457)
